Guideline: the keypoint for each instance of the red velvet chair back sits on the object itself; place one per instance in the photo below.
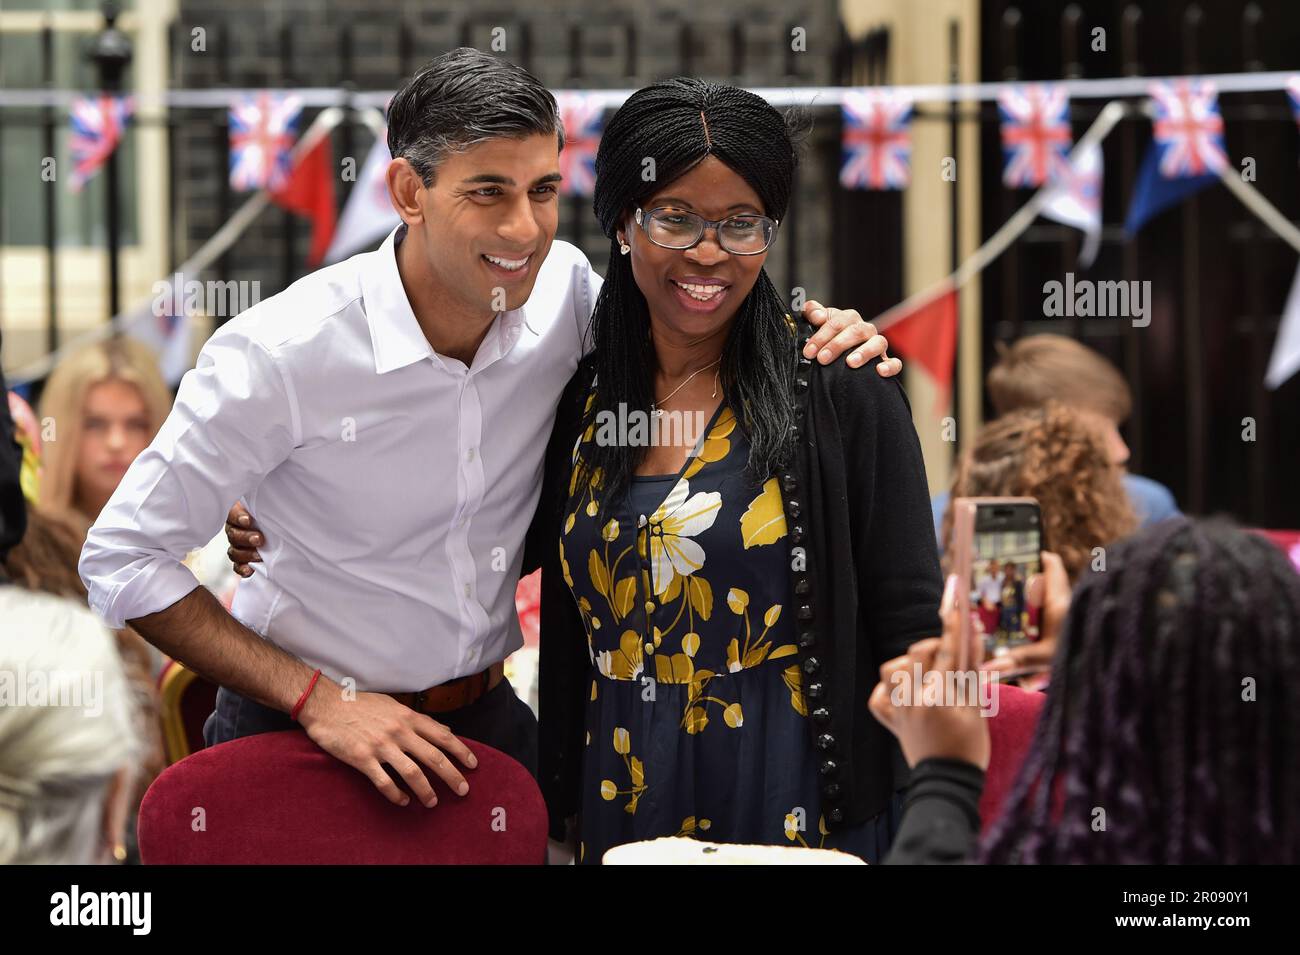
(1011, 730)
(277, 798)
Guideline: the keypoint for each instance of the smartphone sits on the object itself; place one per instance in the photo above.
(997, 551)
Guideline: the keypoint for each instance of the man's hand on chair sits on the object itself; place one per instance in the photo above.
(372, 729)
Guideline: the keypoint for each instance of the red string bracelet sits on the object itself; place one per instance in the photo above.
(297, 707)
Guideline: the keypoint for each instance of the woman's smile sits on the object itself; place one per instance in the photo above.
(699, 294)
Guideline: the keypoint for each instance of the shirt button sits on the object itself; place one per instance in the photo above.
(469, 455)
(641, 521)
(649, 647)
(467, 590)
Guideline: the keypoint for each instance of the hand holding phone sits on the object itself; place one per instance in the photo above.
(997, 544)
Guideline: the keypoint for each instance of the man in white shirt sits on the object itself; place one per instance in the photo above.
(385, 419)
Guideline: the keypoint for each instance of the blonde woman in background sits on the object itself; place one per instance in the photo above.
(106, 403)
(67, 772)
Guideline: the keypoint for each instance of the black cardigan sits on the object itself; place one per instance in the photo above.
(864, 575)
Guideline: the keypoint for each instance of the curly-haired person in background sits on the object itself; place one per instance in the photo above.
(1038, 369)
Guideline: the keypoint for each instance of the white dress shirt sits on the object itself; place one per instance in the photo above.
(394, 485)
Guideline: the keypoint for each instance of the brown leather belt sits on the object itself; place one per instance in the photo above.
(453, 694)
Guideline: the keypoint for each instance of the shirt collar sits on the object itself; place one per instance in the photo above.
(395, 334)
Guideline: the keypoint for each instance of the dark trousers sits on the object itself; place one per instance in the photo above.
(498, 718)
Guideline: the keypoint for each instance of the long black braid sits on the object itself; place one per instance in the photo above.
(676, 124)
(1148, 717)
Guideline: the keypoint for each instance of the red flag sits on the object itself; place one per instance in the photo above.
(309, 191)
(927, 335)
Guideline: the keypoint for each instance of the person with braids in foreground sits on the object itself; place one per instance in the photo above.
(720, 586)
(1173, 710)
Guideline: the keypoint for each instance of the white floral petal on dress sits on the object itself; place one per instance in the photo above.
(695, 516)
(675, 499)
(680, 517)
(686, 555)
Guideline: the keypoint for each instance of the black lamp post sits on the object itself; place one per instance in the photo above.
(111, 52)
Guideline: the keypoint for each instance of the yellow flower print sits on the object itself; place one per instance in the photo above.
(752, 654)
(679, 518)
(674, 668)
(794, 683)
(636, 772)
(691, 825)
(794, 829)
(626, 662)
(695, 720)
(733, 716)
(764, 520)
(599, 574)
(791, 825)
(716, 446)
(564, 566)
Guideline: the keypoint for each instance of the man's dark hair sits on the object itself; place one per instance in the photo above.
(463, 98)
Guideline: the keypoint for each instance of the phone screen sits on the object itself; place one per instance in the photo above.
(1005, 549)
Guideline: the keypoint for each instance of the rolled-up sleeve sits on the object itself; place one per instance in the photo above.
(235, 419)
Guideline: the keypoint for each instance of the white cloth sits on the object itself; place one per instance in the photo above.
(394, 485)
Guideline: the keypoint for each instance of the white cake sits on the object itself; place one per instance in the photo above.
(683, 851)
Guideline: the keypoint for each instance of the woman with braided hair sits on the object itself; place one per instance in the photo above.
(1169, 735)
(734, 537)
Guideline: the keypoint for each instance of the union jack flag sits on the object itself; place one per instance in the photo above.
(1035, 133)
(1188, 129)
(877, 140)
(1293, 93)
(97, 126)
(262, 130)
(583, 117)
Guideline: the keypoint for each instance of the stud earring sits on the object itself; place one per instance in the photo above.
(623, 247)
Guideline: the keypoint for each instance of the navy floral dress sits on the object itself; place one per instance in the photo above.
(696, 725)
